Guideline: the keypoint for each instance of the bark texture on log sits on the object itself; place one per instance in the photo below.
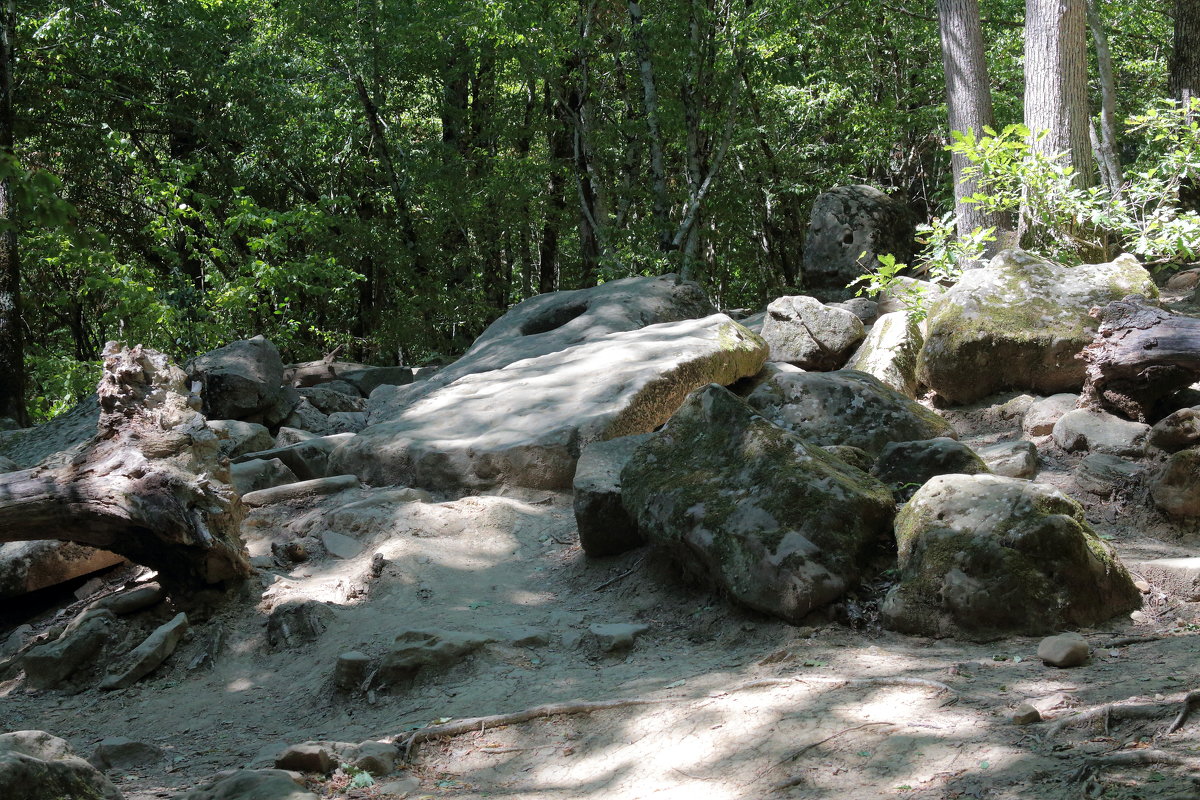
(151, 485)
(1140, 356)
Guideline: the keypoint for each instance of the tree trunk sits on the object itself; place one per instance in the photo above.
(969, 102)
(1056, 99)
(658, 169)
(1185, 63)
(12, 350)
(1141, 355)
(1106, 146)
(150, 486)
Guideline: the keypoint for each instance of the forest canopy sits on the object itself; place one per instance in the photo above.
(390, 177)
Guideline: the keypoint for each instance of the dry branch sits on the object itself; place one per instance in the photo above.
(149, 486)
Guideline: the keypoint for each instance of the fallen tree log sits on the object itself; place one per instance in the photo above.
(1141, 355)
(150, 485)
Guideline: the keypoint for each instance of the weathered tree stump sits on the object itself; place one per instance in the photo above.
(1141, 355)
(150, 486)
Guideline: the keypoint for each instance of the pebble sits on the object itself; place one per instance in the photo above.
(1025, 714)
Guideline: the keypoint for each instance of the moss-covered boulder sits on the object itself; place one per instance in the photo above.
(770, 519)
(1019, 323)
(906, 466)
(983, 556)
(844, 407)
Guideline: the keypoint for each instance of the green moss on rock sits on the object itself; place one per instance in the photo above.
(1019, 323)
(984, 556)
(772, 520)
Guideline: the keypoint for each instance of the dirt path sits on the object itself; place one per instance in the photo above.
(509, 568)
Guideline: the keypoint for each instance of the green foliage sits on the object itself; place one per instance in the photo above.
(942, 259)
(1067, 222)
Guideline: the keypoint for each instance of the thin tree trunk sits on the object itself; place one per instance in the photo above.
(558, 143)
(969, 102)
(1106, 153)
(12, 349)
(658, 169)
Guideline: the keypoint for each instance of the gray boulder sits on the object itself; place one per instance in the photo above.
(28, 566)
(415, 650)
(257, 784)
(1175, 487)
(347, 421)
(120, 752)
(327, 398)
(59, 437)
(297, 622)
(367, 379)
(1017, 459)
(850, 226)
(260, 473)
(149, 655)
(53, 664)
(770, 519)
(237, 437)
(306, 417)
(525, 424)
(1040, 418)
(1100, 432)
(803, 331)
(240, 380)
(889, 352)
(1102, 474)
(906, 466)
(37, 766)
(983, 556)
(605, 527)
(1019, 323)
(844, 408)
(1176, 431)
(553, 322)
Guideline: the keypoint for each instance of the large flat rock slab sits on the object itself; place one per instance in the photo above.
(526, 423)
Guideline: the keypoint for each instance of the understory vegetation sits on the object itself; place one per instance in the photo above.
(390, 178)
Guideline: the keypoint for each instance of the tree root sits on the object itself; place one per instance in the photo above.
(466, 725)
(469, 724)
(1132, 758)
(1128, 711)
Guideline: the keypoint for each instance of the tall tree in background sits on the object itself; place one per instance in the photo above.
(1056, 96)
(968, 101)
(1185, 63)
(12, 368)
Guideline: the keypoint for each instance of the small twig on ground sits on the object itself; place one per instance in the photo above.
(793, 780)
(1189, 700)
(924, 683)
(1132, 758)
(1125, 641)
(624, 574)
(537, 712)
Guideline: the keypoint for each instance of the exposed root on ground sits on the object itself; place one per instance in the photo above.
(456, 727)
(1126, 710)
